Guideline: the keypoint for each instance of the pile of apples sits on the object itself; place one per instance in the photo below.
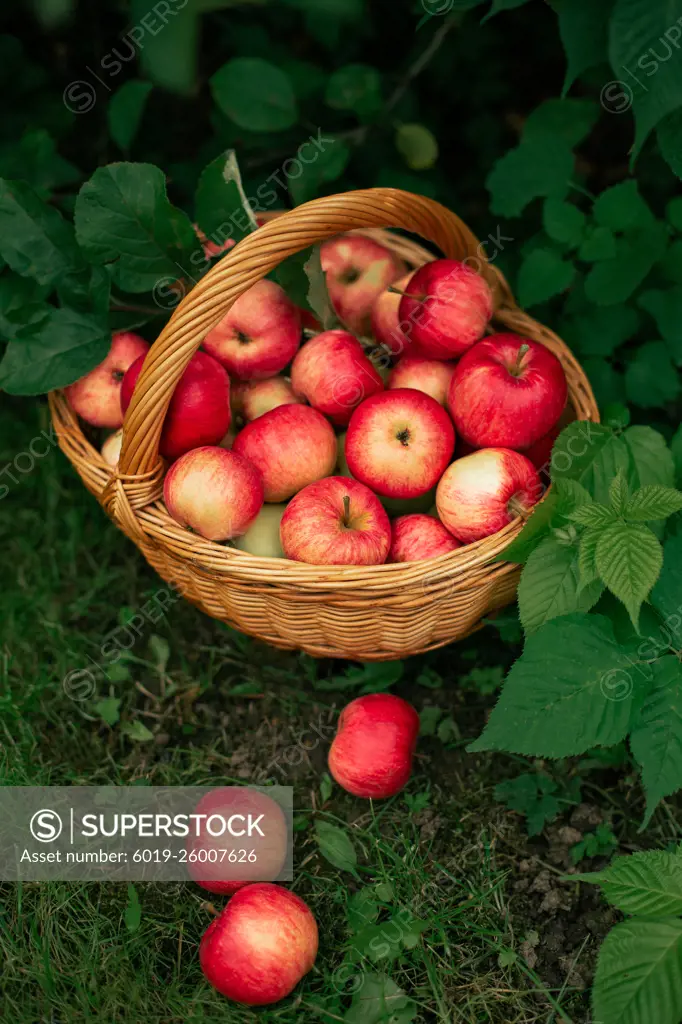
(401, 437)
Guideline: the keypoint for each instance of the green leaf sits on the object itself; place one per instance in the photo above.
(650, 378)
(599, 244)
(591, 454)
(537, 167)
(355, 87)
(502, 5)
(644, 884)
(533, 795)
(599, 331)
(558, 698)
(639, 973)
(653, 502)
(637, 32)
(34, 160)
(336, 846)
(566, 119)
(587, 556)
(621, 207)
(673, 212)
(549, 585)
(326, 787)
(255, 95)
(21, 303)
(55, 351)
(607, 383)
(675, 450)
(593, 515)
(666, 309)
(669, 137)
(109, 710)
(363, 909)
(329, 163)
(619, 492)
(137, 732)
(429, 717)
(563, 221)
(123, 217)
(543, 274)
(666, 597)
(378, 1000)
(35, 240)
(222, 209)
(583, 27)
(133, 911)
(318, 295)
(651, 457)
(417, 145)
(614, 280)
(125, 111)
(534, 529)
(656, 739)
(629, 559)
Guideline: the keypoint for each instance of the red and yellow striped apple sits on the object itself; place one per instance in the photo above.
(371, 754)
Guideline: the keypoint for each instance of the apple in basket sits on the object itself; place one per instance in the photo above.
(447, 305)
(399, 443)
(214, 492)
(111, 449)
(506, 392)
(336, 521)
(252, 398)
(292, 446)
(432, 376)
(481, 493)
(199, 410)
(371, 754)
(96, 397)
(415, 537)
(262, 536)
(385, 322)
(333, 373)
(394, 506)
(262, 944)
(259, 335)
(357, 269)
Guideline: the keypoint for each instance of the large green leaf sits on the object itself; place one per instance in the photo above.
(583, 26)
(534, 529)
(378, 1000)
(666, 309)
(639, 973)
(54, 351)
(255, 94)
(613, 281)
(669, 135)
(534, 168)
(123, 217)
(222, 209)
(125, 111)
(640, 51)
(666, 597)
(646, 884)
(621, 207)
(629, 558)
(651, 458)
(591, 454)
(336, 846)
(35, 240)
(542, 275)
(650, 378)
(549, 585)
(656, 738)
(600, 330)
(35, 161)
(563, 221)
(653, 502)
(573, 688)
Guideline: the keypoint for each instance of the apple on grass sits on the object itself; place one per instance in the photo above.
(333, 373)
(506, 392)
(485, 491)
(96, 397)
(252, 398)
(385, 322)
(292, 445)
(205, 862)
(394, 506)
(357, 269)
(432, 376)
(399, 443)
(199, 410)
(336, 521)
(416, 537)
(371, 754)
(447, 306)
(214, 492)
(262, 944)
(262, 536)
(259, 335)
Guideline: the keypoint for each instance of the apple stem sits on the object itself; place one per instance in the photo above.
(211, 908)
(516, 368)
(410, 295)
(346, 510)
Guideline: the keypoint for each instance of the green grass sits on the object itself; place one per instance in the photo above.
(219, 708)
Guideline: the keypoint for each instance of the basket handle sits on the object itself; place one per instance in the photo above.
(249, 261)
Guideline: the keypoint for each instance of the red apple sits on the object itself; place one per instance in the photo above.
(96, 397)
(394, 506)
(260, 947)
(358, 269)
(416, 537)
(205, 860)
(199, 411)
(385, 322)
(214, 492)
(259, 335)
(507, 392)
(371, 754)
(111, 449)
(432, 376)
(447, 306)
(256, 397)
(399, 443)
(540, 452)
(483, 492)
(334, 374)
(336, 521)
(292, 446)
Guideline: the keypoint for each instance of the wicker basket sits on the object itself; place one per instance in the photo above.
(370, 613)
